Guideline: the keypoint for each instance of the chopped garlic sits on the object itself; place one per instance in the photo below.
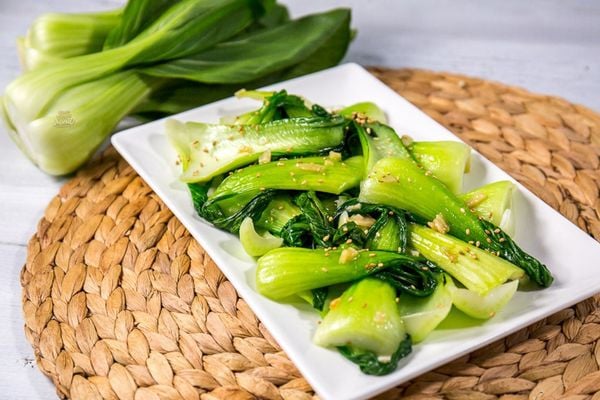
(348, 255)
(265, 157)
(439, 224)
(363, 221)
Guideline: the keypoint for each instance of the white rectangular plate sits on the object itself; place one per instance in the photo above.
(572, 256)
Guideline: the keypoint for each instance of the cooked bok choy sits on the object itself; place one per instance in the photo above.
(206, 150)
(290, 270)
(401, 183)
(365, 325)
(366, 227)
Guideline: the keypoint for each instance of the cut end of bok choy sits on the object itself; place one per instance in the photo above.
(72, 129)
(365, 325)
(483, 306)
(493, 202)
(207, 150)
(445, 160)
(255, 244)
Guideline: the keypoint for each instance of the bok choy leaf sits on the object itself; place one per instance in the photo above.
(243, 59)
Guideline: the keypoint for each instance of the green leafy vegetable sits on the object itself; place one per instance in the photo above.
(483, 307)
(370, 364)
(254, 244)
(137, 15)
(365, 316)
(446, 160)
(142, 37)
(319, 297)
(289, 270)
(366, 109)
(493, 202)
(277, 214)
(366, 324)
(477, 269)
(401, 183)
(310, 173)
(421, 315)
(243, 59)
(207, 150)
(54, 36)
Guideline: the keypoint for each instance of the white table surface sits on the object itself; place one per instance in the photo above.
(547, 46)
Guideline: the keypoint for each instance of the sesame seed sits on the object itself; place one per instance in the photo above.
(372, 255)
(348, 241)
(468, 231)
(502, 240)
(326, 238)
(488, 240)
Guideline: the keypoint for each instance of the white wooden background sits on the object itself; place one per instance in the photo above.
(547, 46)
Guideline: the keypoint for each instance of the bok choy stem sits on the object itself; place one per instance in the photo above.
(365, 324)
(402, 184)
(207, 150)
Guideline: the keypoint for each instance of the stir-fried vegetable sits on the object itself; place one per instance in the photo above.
(206, 150)
(486, 306)
(372, 228)
(477, 269)
(290, 270)
(493, 202)
(255, 244)
(401, 183)
(446, 160)
(421, 315)
(365, 324)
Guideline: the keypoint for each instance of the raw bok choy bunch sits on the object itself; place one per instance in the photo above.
(373, 230)
(86, 72)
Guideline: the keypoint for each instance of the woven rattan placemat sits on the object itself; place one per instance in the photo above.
(121, 303)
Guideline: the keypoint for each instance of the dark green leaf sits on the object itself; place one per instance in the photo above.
(319, 297)
(382, 214)
(414, 276)
(316, 216)
(296, 232)
(265, 52)
(137, 16)
(192, 26)
(369, 362)
(329, 51)
(212, 212)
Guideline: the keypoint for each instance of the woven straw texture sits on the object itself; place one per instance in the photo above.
(121, 303)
